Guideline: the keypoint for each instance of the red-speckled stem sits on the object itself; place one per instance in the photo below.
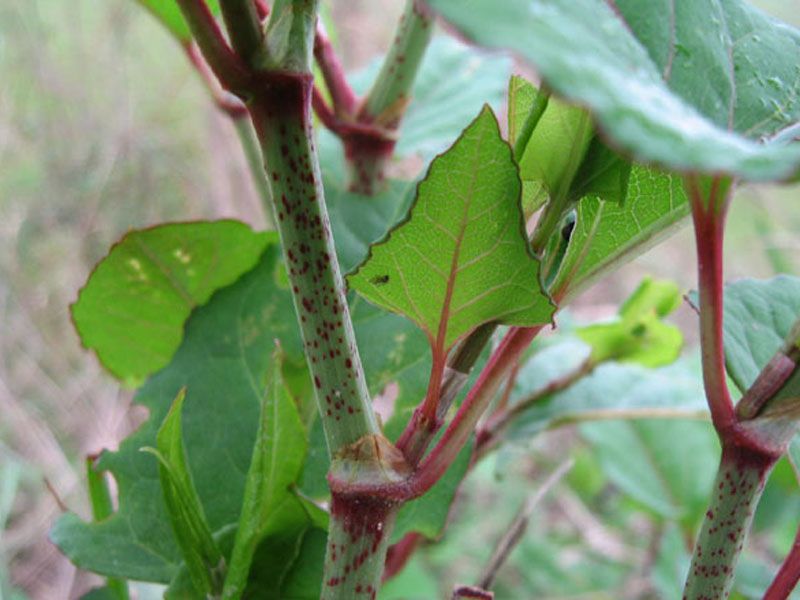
(280, 108)
(737, 488)
(358, 538)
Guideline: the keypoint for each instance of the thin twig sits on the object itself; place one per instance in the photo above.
(788, 575)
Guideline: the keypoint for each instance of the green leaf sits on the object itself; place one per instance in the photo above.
(691, 86)
(132, 310)
(277, 459)
(758, 316)
(200, 552)
(462, 258)
(639, 335)
(168, 13)
(556, 150)
(668, 466)
(608, 233)
(222, 361)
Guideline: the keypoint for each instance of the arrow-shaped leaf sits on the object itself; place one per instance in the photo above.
(461, 258)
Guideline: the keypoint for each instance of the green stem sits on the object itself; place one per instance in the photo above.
(255, 164)
(737, 489)
(387, 100)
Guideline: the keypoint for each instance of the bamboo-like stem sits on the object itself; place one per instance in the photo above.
(735, 494)
(788, 575)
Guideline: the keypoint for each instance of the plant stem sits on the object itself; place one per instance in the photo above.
(737, 489)
(244, 27)
(226, 65)
(252, 154)
(387, 100)
(788, 575)
(708, 211)
(342, 96)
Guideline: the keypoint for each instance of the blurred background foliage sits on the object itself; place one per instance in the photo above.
(104, 127)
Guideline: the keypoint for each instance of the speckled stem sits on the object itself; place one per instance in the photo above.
(280, 108)
(358, 538)
(387, 100)
(737, 489)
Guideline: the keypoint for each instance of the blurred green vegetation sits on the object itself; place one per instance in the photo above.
(105, 127)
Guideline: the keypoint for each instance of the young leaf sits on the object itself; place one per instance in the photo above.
(608, 233)
(132, 309)
(200, 552)
(693, 92)
(462, 257)
(277, 459)
(639, 336)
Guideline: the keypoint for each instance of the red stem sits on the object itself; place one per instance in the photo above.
(709, 226)
(225, 101)
(342, 95)
(226, 65)
(463, 424)
(788, 575)
(398, 555)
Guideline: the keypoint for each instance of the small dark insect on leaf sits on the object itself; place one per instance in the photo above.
(379, 280)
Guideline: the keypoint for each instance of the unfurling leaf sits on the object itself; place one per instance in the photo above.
(200, 552)
(278, 456)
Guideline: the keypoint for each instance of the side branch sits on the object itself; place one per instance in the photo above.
(788, 575)
(342, 95)
(226, 65)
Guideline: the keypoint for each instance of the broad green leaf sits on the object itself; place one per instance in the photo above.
(132, 310)
(101, 593)
(277, 459)
(412, 583)
(223, 361)
(611, 391)
(462, 258)
(608, 233)
(758, 317)
(666, 465)
(692, 86)
(200, 552)
(639, 335)
(168, 13)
